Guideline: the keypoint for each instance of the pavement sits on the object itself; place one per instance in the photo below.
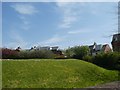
(108, 86)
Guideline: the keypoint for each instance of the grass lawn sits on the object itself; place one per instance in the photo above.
(48, 73)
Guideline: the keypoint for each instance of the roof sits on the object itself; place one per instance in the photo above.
(97, 47)
(116, 37)
(104, 46)
(91, 46)
(117, 34)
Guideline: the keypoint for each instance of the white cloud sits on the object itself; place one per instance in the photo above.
(67, 21)
(73, 11)
(70, 13)
(25, 9)
(25, 23)
(53, 40)
(81, 31)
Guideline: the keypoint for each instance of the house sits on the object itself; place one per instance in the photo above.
(18, 48)
(106, 48)
(116, 42)
(43, 48)
(56, 51)
(54, 48)
(95, 49)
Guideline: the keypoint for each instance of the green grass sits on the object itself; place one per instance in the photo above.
(48, 73)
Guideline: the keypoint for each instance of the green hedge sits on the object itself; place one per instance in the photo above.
(24, 54)
(77, 52)
(108, 60)
(36, 54)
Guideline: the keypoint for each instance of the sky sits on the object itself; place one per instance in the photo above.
(63, 24)
(0, 25)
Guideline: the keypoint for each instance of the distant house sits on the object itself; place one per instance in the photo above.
(116, 42)
(56, 51)
(95, 49)
(43, 48)
(18, 48)
(54, 48)
(106, 48)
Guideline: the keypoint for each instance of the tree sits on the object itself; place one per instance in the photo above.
(69, 52)
(77, 52)
(81, 51)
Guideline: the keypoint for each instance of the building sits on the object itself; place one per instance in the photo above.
(116, 42)
(106, 48)
(95, 49)
(43, 48)
(18, 48)
(54, 48)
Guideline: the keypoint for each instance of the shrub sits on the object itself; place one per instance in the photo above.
(24, 55)
(69, 52)
(13, 54)
(88, 58)
(77, 52)
(9, 53)
(36, 54)
(81, 51)
(108, 60)
(60, 57)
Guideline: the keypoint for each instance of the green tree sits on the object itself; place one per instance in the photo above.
(77, 52)
(80, 51)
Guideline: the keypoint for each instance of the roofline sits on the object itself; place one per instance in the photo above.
(116, 34)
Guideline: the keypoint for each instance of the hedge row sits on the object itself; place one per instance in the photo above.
(106, 60)
(13, 54)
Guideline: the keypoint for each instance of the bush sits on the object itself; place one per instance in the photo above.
(69, 52)
(60, 57)
(77, 52)
(88, 58)
(13, 54)
(36, 54)
(108, 60)
(81, 51)
(9, 53)
(24, 55)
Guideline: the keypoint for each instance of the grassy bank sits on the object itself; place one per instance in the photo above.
(48, 73)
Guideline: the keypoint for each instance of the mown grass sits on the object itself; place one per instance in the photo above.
(48, 73)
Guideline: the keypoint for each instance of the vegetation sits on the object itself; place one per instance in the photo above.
(50, 73)
(36, 54)
(26, 54)
(108, 60)
(77, 52)
(9, 53)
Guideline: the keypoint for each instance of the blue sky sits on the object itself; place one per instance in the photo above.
(1, 25)
(60, 24)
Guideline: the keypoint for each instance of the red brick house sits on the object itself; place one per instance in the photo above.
(106, 48)
(116, 42)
